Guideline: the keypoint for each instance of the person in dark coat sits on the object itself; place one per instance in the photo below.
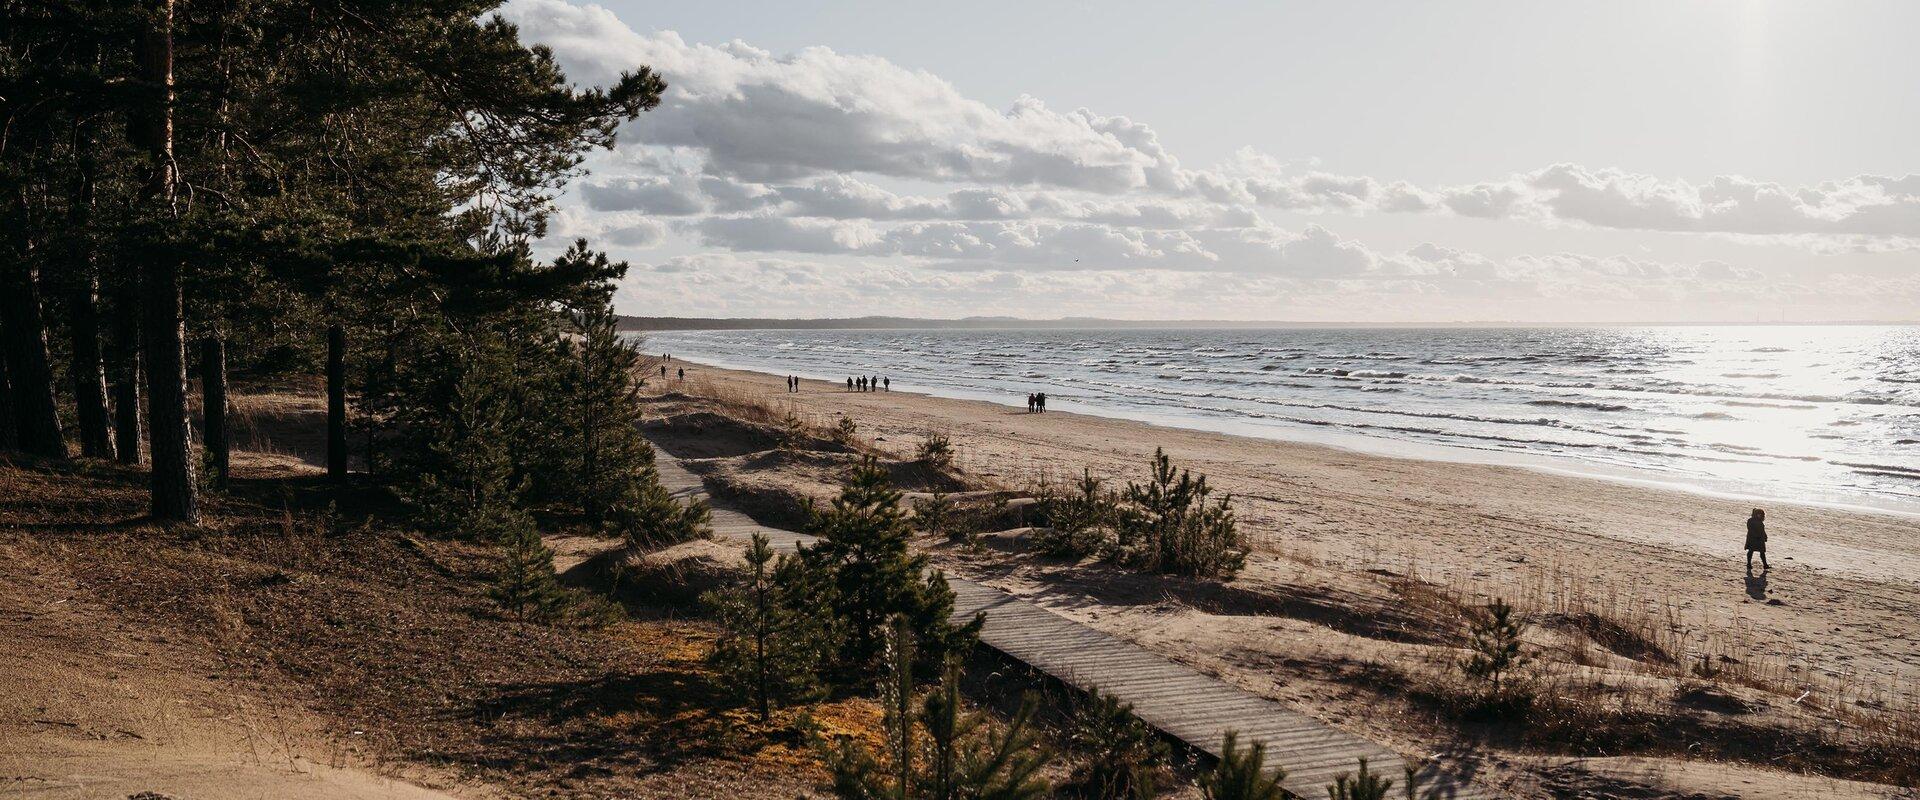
(1757, 540)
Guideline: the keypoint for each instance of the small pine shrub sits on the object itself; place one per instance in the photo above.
(773, 634)
(1123, 755)
(1242, 774)
(524, 583)
(845, 430)
(962, 756)
(792, 433)
(1495, 654)
(939, 515)
(936, 450)
(865, 553)
(1171, 524)
(1078, 524)
(1365, 786)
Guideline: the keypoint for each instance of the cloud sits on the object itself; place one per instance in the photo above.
(892, 179)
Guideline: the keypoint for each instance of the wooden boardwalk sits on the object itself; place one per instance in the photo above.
(1196, 708)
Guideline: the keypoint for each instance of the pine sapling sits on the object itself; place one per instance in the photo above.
(1365, 786)
(1242, 774)
(1495, 643)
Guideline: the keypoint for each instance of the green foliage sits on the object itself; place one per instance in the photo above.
(935, 450)
(1170, 524)
(845, 430)
(774, 635)
(1495, 652)
(940, 516)
(1242, 774)
(792, 432)
(524, 583)
(960, 755)
(1122, 754)
(865, 550)
(1364, 786)
(1078, 524)
(648, 516)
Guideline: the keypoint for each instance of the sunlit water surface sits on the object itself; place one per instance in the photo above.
(1826, 414)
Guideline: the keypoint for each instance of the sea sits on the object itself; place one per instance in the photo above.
(1821, 414)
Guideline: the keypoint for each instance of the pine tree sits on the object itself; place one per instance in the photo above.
(774, 637)
(1242, 774)
(1365, 786)
(1495, 649)
(1122, 753)
(864, 546)
(1171, 524)
(966, 756)
(524, 583)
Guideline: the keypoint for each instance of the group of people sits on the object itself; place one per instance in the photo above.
(1036, 402)
(793, 384)
(865, 383)
(681, 372)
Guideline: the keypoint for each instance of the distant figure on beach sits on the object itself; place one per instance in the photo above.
(683, 373)
(1029, 402)
(860, 383)
(663, 372)
(1757, 540)
(849, 384)
(1040, 402)
(886, 384)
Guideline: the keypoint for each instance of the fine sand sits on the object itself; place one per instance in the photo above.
(1838, 616)
(1845, 584)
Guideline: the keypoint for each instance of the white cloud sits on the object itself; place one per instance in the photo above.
(850, 158)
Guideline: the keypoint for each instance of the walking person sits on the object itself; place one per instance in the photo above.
(1029, 402)
(1757, 540)
(888, 383)
(849, 384)
(682, 373)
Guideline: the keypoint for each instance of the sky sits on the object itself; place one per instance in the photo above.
(1390, 162)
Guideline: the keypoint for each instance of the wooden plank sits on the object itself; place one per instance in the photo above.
(1179, 700)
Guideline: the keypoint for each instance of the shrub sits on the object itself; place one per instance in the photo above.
(524, 582)
(1079, 524)
(936, 451)
(1241, 774)
(1495, 653)
(845, 430)
(647, 516)
(939, 515)
(1171, 524)
(1123, 755)
(773, 634)
(965, 755)
(864, 552)
(792, 433)
(1365, 786)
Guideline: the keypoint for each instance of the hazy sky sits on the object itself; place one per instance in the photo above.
(1512, 161)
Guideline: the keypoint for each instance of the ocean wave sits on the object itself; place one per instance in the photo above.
(1589, 405)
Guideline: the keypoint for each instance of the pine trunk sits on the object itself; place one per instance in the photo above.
(8, 438)
(128, 375)
(169, 434)
(36, 416)
(337, 402)
(213, 401)
(89, 373)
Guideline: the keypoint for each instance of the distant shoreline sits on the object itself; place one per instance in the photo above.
(633, 324)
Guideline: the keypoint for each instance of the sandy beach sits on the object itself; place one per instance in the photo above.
(1845, 581)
